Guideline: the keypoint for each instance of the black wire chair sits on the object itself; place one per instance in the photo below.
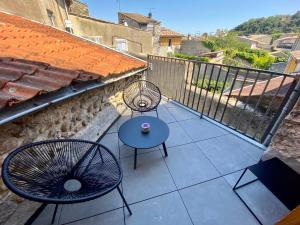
(142, 96)
(62, 172)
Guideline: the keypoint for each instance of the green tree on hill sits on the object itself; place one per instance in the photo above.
(270, 25)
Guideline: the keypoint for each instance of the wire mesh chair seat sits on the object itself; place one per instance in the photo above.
(142, 96)
(62, 171)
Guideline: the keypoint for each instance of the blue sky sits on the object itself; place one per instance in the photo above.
(191, 16)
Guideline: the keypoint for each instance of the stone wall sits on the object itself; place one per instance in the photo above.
(193, 47)
(286, 142)
(86, 116)
(79, 8)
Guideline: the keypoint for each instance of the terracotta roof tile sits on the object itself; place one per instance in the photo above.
(296, 54)
(22, 38)
(271, 89)
(166, 32)
(35, 59)
(139, 18)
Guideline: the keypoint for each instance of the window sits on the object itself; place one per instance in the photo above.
(170, 42)
(98, 39)
(51, 17)
(121, 44)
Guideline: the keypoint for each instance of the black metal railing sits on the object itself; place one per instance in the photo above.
(244, 99)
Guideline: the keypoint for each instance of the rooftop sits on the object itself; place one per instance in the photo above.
(139, 18)
(166, 32)
(296, 55)
(259, 88)
(193, 185)
(32, 54)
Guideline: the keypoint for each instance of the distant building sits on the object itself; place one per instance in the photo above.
(50, 12)
(73, 16)
(169, 41)
(285, 42)
(79, 8)
(294, 62)
(146, 23)
(118, 36)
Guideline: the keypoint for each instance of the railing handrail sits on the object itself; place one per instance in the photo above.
(252, 110)
(224, 65)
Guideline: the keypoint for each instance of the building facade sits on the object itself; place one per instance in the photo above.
(49, 12)
(73, 16)
(120, 37)
(145, 23)
(169, 42)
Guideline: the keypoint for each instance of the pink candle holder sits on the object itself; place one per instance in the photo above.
(145, 127)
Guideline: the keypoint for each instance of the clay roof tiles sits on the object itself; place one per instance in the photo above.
(272, 88)
(139, 18)
(36, 59)
(166, 32)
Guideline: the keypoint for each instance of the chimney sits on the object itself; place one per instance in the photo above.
(150, 14)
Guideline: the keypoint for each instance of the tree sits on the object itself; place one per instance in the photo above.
(270, 25)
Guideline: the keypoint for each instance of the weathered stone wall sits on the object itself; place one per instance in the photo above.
(79, 8)
(193, 47)
(286, 142)
(86, 116)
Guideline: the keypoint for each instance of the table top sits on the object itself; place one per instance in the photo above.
(280, 179)
(130, 133)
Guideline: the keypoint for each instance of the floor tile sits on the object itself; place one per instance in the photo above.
(233, 177)
(163, 114)
(188, 165)
(163, 210)
(72, 212)
(168, 104)
(113, 128)
(263, 203)
(111, 142)
(177, 135)
(126, 151)
(115, 217)
(150, 178)
(200, 129)
(214, 202)
(45, 217)
(226, 154)
(180, 113)
(252, 150)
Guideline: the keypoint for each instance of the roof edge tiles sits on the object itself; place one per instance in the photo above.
(19, 84)
(42, 101)
(140, 18)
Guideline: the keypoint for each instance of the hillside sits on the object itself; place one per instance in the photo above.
(270, 25)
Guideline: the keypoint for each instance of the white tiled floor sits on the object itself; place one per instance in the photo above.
(192, 186)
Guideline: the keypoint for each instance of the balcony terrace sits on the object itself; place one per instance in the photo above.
(193, 185)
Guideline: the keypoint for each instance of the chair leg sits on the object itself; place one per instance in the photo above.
(165, 149)
(124, 200)
(156, 113)
(131, 113)
(54, 214)
(36, 214)
(135, 157)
